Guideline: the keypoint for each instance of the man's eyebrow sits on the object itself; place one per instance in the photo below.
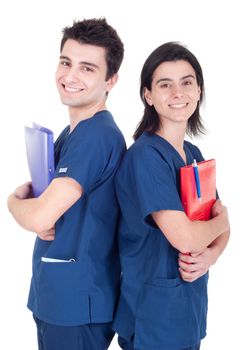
(64, 58)
(169, 79)
(188, 76)
(89, 64)
(81, 62)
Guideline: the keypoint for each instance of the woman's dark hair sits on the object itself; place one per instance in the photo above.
(171, 51)
(98, 32)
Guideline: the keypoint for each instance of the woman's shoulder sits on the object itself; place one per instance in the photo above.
(195, 151)
(148, 149)
(191, 145)
(144, 144)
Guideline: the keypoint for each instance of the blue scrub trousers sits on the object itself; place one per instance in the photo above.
(125, 345)
(96, 336)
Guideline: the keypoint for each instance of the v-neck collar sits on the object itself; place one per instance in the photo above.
(173, 149)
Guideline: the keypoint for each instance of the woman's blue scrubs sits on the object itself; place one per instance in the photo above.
(156, 307)
(76, 277)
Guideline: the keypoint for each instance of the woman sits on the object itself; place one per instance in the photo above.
(163, 300)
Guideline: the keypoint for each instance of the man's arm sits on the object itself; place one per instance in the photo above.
(40, 214)
(191, 236)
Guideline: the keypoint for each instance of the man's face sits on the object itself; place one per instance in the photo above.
(81, 76)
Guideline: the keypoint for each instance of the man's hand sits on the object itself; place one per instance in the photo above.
(47, 235)
(24, 191)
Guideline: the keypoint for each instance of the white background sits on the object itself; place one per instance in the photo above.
(30, 37)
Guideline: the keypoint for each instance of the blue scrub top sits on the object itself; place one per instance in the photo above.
(81, 285)
(156, 306)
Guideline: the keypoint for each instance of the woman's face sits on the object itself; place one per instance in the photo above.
(174, 91)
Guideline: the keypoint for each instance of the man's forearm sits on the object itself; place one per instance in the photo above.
(40, 214)
(25, 213)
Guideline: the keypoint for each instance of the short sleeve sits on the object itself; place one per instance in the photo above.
(84, 158)
(195, 152)
(155, 182)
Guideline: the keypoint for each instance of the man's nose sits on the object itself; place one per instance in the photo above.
(72, 75)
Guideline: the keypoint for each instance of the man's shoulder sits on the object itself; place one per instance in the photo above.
(106, 129)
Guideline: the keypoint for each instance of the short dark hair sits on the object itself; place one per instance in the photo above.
(171, 51)
(96, 31)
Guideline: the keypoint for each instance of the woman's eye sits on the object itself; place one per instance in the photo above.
(165, 85)
(187, 82)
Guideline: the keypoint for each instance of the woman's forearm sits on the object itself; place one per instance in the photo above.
(190, 236)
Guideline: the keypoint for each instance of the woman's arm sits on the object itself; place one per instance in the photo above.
(195, 265)
(192, 236)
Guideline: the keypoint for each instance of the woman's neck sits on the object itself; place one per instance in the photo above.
(175, 136)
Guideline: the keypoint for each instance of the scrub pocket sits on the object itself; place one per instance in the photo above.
(165, 316)
(62, 293)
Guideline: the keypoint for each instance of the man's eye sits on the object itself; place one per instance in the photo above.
(87, 69)
(65, 63)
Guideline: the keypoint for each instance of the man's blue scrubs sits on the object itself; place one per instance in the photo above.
(156, 307)
(76, 277)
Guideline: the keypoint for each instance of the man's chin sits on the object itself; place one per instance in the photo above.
(69, 103)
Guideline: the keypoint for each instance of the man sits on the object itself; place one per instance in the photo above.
(76, 268)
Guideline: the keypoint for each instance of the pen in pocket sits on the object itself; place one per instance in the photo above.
(51, 260)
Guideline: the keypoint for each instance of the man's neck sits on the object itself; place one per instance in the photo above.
(77, 115)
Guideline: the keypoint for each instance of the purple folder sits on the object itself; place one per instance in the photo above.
(40, 156)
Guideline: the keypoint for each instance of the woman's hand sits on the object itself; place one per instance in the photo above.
(195, 265)
(218, 209)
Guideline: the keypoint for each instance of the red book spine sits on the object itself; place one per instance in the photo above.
(194, 208)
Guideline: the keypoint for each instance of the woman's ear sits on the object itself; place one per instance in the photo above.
(199, 93)
(147, 96)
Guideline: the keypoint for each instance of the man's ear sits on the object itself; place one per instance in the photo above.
(147, 96)
(111, 82)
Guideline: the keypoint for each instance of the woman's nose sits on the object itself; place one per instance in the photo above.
(177, 90)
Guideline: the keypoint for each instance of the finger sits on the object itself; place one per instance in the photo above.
(47, 238)
(189, 276)
(195, 255)
(192, 276)
(193, 259)
(188, 267)
(187, 259)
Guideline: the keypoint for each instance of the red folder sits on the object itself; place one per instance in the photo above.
(194, 208)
